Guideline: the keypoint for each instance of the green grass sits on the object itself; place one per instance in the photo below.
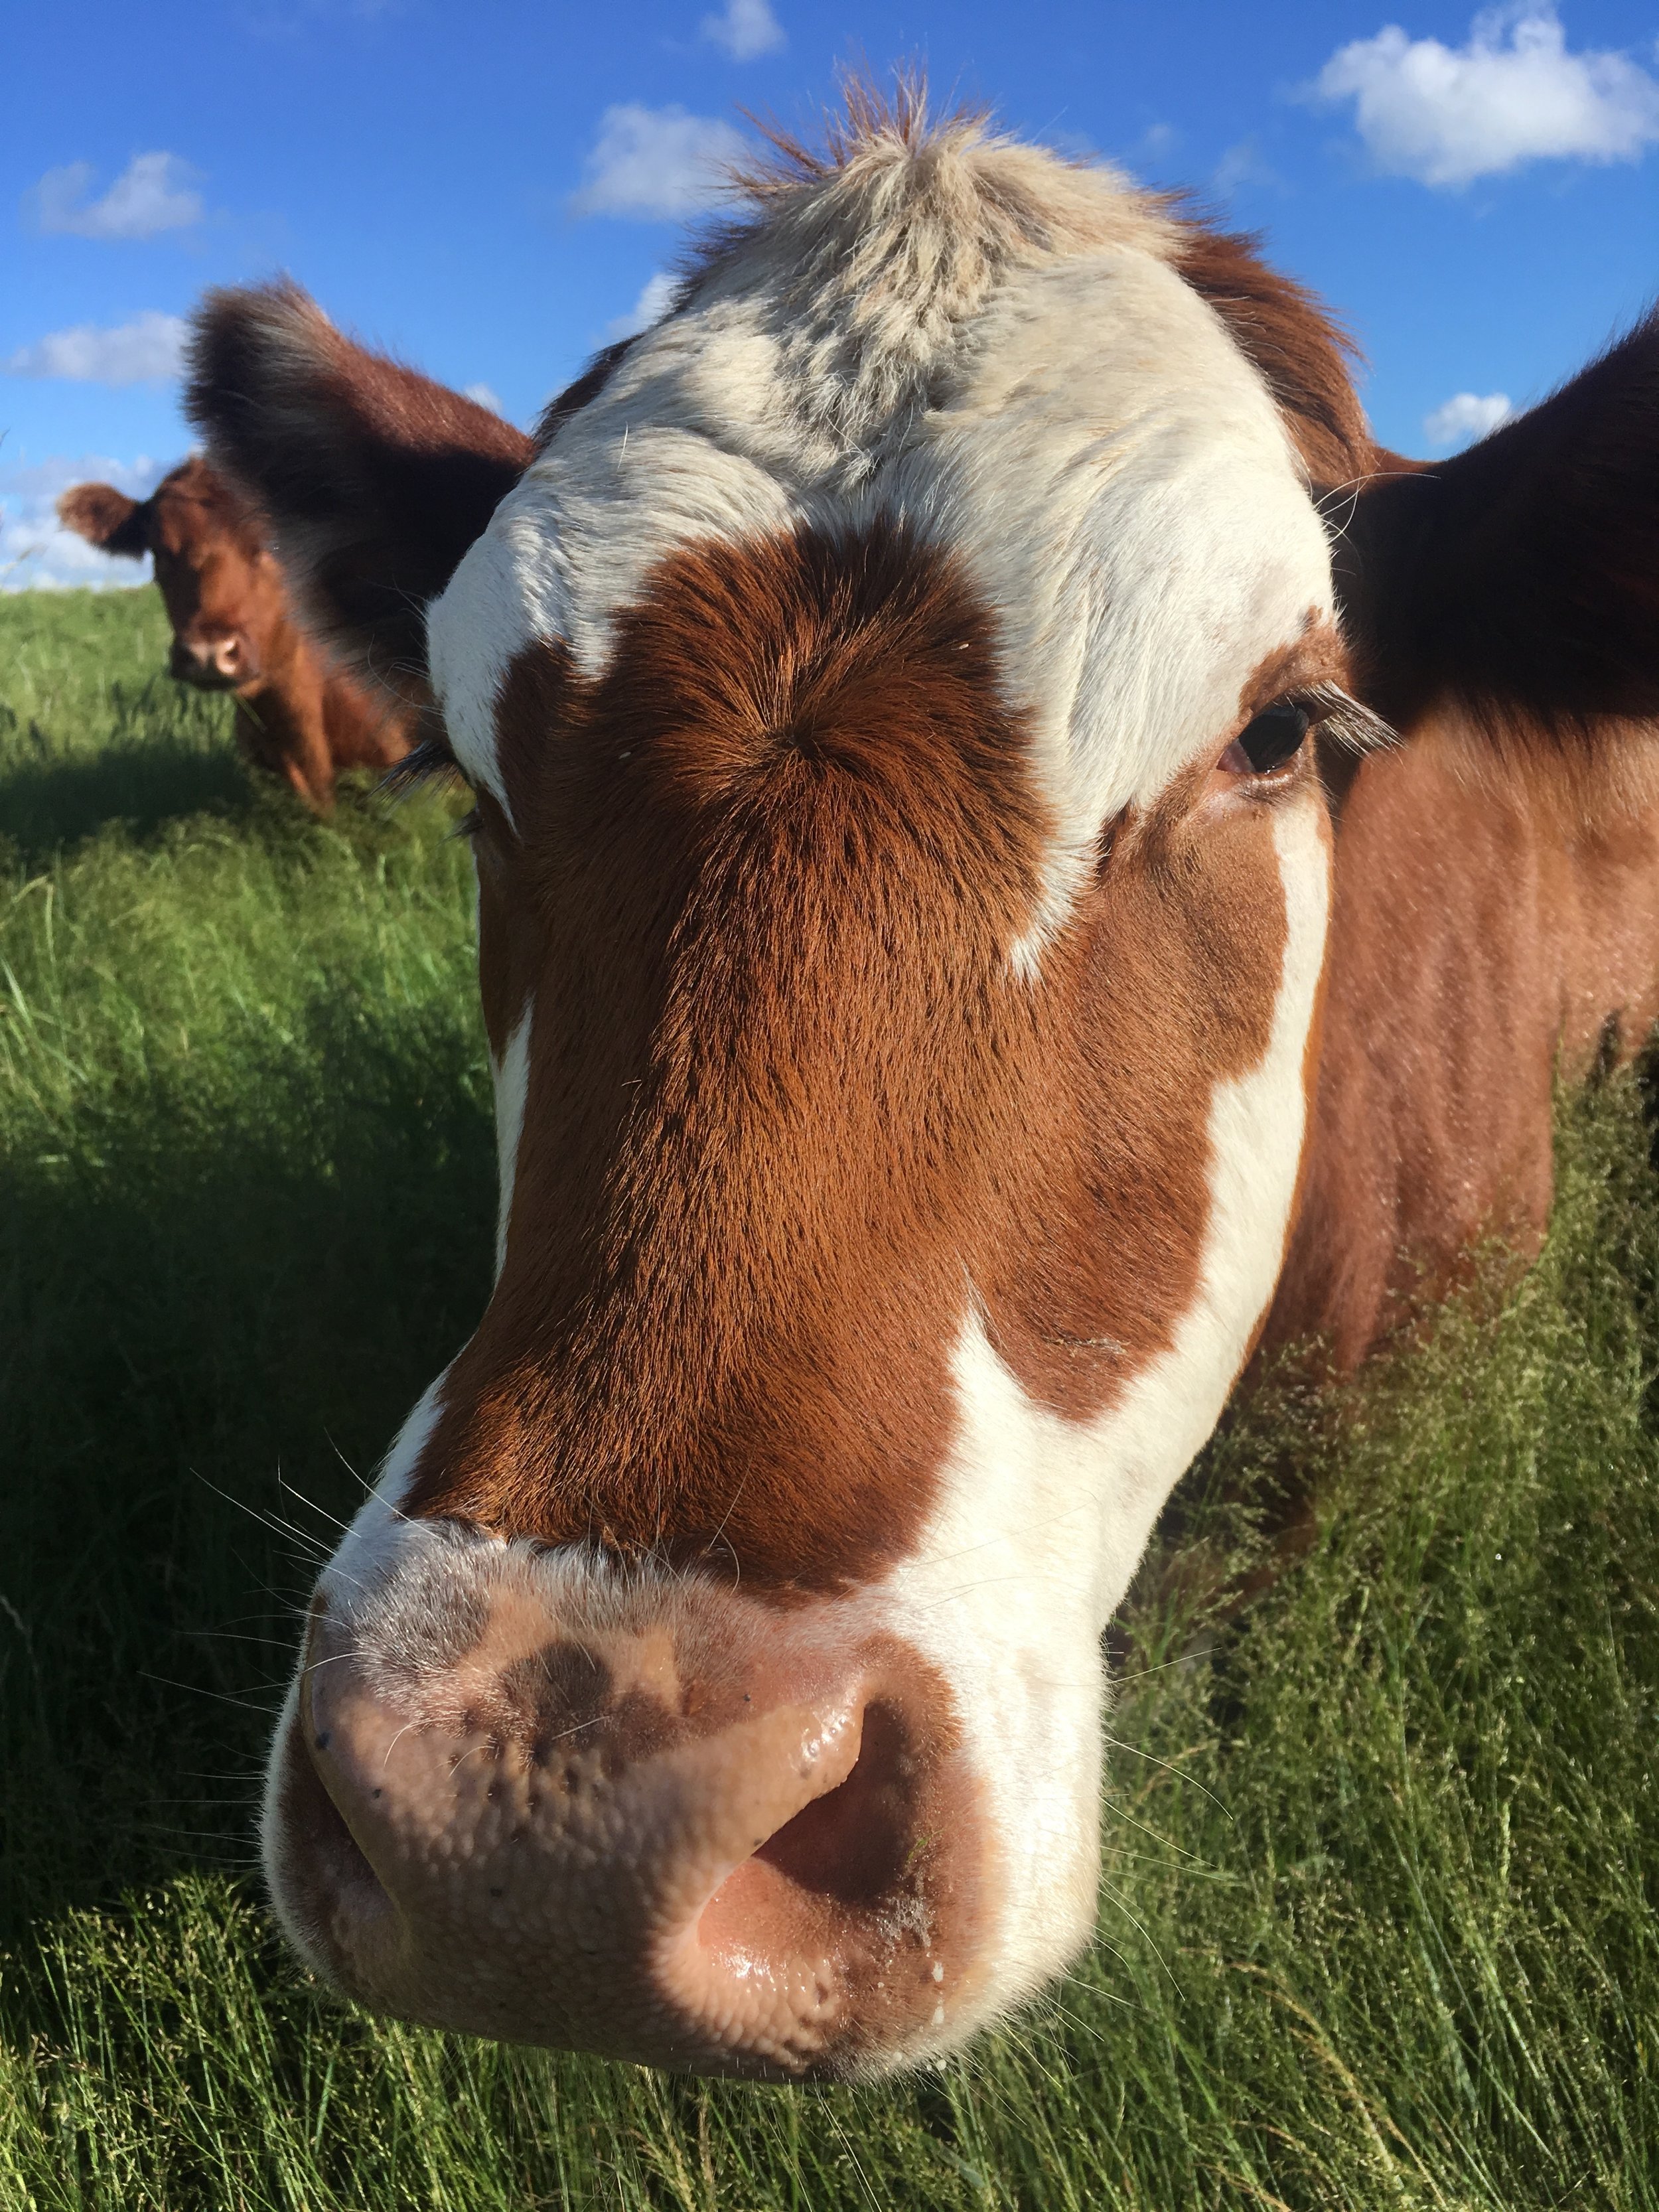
(1377, 1916)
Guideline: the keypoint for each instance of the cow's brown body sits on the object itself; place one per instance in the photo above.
(298, 716)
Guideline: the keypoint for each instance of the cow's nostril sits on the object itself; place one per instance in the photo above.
(854, 1842)
(837, 1881)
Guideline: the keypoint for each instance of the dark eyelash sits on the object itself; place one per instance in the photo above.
(429, 761)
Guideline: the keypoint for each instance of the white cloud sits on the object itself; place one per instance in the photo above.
(153, 192)
(652, 304)
(483, 395)
(650, 161)
(1466, 416)
(147, 351)
(36, 551)
(1446, 115)
(745, 28)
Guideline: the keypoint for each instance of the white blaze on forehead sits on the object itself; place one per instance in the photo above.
(1118, 478)
(512, 1078)
(1042, 1520)
(1110, 468)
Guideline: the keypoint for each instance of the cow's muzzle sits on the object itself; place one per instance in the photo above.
(218, 664)
(717, 1843)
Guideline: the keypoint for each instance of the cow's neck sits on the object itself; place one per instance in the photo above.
(1475, 950)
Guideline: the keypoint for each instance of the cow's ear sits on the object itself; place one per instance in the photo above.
(375, 480)
(1521, 579)
(106, 518)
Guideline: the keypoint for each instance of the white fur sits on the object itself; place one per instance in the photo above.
(371, 1544)
(798, 364)
(1090, 444)
(512, 1075)
(1043, 1520)
(1118, 480)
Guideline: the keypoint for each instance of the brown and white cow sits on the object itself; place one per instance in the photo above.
(233, 630)
(948, 928)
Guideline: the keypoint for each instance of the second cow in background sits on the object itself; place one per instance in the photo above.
(234, 630)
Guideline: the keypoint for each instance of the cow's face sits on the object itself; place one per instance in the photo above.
(221, 586)
(903, 879)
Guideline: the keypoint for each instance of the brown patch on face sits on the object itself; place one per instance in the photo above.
(789, 1114)
(510, 938)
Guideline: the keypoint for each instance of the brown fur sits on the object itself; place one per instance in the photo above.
(372, 524)
(233, 629)
(1486, 933)
(1497, 911)
(786, 1102)
(1302, 355)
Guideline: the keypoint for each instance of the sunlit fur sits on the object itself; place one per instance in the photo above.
(1070, 419)
(931, 1021)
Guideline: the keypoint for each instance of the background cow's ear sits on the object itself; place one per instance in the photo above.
(1522, 577)
(106, 518)
(375, 479)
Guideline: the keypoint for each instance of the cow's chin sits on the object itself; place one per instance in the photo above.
(210, 679)
(664, 1823)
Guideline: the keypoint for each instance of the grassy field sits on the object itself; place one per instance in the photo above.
(1376, 1921)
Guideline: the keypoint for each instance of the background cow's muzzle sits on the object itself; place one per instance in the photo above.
(672, 1825)
(216, 663)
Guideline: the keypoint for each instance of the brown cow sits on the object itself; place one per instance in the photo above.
(233, 630)
(946, 888)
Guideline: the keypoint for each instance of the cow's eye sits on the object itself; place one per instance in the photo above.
(1270, 741)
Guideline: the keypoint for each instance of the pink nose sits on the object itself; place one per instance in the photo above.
(593, 1845)
(211, 661)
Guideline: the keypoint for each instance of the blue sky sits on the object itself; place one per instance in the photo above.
(488, 189)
